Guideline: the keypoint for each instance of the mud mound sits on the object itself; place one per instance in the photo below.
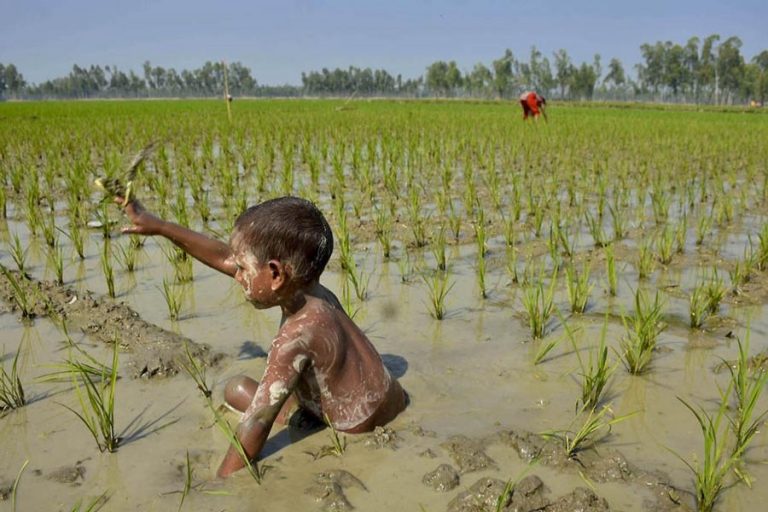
(155, 352)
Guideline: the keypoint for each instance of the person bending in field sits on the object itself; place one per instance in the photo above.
(320, 361)
(533, 104)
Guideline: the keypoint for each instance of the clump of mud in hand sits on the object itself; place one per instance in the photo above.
(328, 490)
(154, 351)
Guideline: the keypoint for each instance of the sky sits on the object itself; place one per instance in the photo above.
(280, 39)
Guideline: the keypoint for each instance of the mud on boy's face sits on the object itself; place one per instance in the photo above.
(256, 279)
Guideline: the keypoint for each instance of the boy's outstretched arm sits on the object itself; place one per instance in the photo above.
(214, 253)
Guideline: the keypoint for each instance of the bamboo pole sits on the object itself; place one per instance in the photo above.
(227, 97)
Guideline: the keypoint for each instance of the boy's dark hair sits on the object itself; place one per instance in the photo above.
(288, 229)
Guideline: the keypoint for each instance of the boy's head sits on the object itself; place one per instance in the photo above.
(288, 229)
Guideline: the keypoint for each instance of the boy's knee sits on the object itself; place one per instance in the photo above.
(239, 392)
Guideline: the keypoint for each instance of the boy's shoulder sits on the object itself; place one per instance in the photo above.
(315, 319)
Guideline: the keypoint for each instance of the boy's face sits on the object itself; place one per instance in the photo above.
(257, 279)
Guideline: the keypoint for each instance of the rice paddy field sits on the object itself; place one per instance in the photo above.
(582, 300)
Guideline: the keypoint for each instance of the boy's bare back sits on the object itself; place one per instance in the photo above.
(338, 372)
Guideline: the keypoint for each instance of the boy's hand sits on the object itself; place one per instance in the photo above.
(143, 222)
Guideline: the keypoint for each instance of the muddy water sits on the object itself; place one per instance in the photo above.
(469, 375)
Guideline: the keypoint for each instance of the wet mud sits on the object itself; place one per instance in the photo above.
(328, 490)
(154, 351)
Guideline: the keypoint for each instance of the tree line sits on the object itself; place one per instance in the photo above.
(708, 70)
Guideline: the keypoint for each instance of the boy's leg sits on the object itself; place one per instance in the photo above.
(240, 390)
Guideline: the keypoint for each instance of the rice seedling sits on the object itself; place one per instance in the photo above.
(710, 474)
(741, 271)
(480, 269)
(539, 306)
(481, 233)
(545, 348)
(187, 482)
(645, 261)
(56, 259)
(698, 306)
(183, 270)
(20, 295)
(567, 241)
(579, 287)
(747, 385)
(595, 426)
(93, 505)
(619, 221)
(174, 298)
(610, 270)
(384, 231)
(595, 372)
(19, 254)
(347, 301)
(256, 470)
(77, 237)
(703, 226)
(128, 256)
(438, 249)
(438, 288)
(681, 233)
(196, 370)
(97, 403)
(665, 245)
(405, 267)
(15, 487)
(339, 443)
(643, 328)
(761, 258)
(107, 269)
(715, 291)
(511, 264)
(85, 364)
(48, 226)
(454, 221)
(595, 226)
(660, 204)
(11, 388)
(360, 281)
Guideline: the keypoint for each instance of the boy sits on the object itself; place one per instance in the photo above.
(277, 251)
(532, 103)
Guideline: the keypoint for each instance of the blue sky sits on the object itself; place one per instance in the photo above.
(278, 40)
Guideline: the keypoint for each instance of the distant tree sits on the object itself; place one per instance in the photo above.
(730, 66)
(480, 81)
(583, 81)
(615, 74)
(502, 73)
(13, 81)
(436, 79)
(564, 71)
(707, 71)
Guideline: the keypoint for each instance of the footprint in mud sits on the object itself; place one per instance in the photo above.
(328, 490)
(73, 475)
(469, 455)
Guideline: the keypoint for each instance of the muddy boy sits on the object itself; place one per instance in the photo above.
(320, 360)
